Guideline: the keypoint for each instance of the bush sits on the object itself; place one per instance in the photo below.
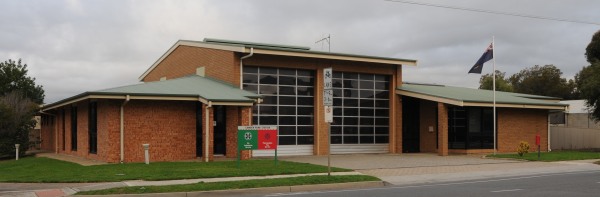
(523, 148)
(16, 120)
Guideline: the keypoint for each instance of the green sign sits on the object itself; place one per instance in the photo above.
(248, 139)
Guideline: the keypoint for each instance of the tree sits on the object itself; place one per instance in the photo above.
(502, 84)
(588, 84)
(543, 80)
(19, 100)
(13, 77)
(588, 79)
(16, 120)
(592, 51)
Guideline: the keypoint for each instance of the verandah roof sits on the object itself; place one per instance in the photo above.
(476, 97)
(194, 87)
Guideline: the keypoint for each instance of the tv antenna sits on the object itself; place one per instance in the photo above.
(325, 39)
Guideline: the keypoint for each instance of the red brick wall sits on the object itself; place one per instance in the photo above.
(47, 133)
(109, 130)
(184, 60)
(515, 125)
(427, 116)
(168, 126)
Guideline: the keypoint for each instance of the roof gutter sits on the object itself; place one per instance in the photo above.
(241, 65)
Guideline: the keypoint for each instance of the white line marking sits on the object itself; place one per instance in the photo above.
(507, 190)
(440, 184)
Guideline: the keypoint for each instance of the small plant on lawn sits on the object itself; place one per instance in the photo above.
(523, 148)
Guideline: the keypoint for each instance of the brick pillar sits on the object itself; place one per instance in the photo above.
(321, 134)
(245, 119)
(398, 128)
(232, 121)
(442, 129)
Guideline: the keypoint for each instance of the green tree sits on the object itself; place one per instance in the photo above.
(19, 101)
(543, 80)
(588, 84)
(588, 79)
(13, 77)
(16, 120)
(502, 84)
(592, 51)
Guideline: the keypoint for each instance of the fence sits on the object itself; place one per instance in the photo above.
(574, 138)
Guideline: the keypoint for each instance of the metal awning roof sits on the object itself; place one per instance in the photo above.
(193, 88)
(476, 97)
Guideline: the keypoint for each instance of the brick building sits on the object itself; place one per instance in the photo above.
(195, 95)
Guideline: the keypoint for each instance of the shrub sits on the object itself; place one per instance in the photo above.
(523, 148)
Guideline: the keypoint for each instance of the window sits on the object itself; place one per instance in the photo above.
(92, 127)
(288, 101)
(470, 128)
(73, 128)
(361, 108)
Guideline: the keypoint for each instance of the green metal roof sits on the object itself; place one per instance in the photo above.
(477, 95)
(290, 48)
(193, 86)
(254, 44)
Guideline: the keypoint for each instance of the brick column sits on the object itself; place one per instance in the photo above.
(245, 119)
(398, 136)
(442, 129)
(321, 135)
(232, 120)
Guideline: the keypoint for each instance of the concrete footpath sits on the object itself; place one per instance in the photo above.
(65, 189)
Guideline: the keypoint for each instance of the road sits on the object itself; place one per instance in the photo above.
(545, 185)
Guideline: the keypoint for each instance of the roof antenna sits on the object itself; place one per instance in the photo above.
(322, 41)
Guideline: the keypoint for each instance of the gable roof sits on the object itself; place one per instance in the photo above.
(275, 49)
(476, 97)
(193, 88)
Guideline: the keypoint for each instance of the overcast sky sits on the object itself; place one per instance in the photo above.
(77, 46)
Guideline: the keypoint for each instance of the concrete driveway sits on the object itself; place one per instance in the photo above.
(408, 169)
(390, 161)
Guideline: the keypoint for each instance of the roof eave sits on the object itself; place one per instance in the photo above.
(145, 96)
(459, 102)
(333, 56)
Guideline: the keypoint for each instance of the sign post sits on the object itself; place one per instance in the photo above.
(538, 142)
(257, 138)
(328, 103)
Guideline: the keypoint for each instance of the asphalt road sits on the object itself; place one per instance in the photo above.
(546, 185)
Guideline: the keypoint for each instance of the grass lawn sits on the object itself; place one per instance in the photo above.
(39, 169)
(306, 180)
(553, 156)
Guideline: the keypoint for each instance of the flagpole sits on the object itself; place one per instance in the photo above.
(494, 85)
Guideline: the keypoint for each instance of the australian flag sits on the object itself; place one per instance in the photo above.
(487, 56)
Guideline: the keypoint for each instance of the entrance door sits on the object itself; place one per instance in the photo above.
(410, 125)
(220, 126)
(198, 130)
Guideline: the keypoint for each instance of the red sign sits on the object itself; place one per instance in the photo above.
(537, 139)
(267, 139)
